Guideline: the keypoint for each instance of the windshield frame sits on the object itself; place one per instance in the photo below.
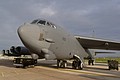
(43, 22)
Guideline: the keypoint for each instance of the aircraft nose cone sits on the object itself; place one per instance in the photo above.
(20, 30)
(29, 32)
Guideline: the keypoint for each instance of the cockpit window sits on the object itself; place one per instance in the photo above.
(34, 22)
(48, 24)
(41, 22)
(51, 25)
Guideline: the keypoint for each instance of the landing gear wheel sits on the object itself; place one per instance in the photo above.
(74, 65)
(17, 66)
(61, 64)
(117, 69)
(58, 63)
(77, 65)
(81, 66)
(90, 62)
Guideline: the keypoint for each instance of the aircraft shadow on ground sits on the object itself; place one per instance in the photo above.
(47, 64)
(51, 64)
(97, 68)
(6, 63)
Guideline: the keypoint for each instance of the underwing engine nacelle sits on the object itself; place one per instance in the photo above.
(20, 50)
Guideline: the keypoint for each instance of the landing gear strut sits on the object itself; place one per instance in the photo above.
(77, 63)
(61, 63)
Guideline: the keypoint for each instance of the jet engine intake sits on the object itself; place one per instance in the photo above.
(20, 50)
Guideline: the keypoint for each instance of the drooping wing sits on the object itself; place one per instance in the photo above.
(94, 43)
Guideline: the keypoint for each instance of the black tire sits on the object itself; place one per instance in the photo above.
(117, 69)
(64, 65)
(89, 62)
(81, 67)
(109, 68)
(24, 66)
(17, 66)
(74, 65)
(58, 63)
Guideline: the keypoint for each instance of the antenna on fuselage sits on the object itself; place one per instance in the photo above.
(93, 32)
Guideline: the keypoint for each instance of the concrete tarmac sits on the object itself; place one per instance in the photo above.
(47, 70)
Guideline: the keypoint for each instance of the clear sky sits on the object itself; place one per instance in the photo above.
(80, 17)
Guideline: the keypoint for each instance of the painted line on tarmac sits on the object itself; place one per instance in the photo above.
(72, 71)
(94, 73)
(16, 72)
(2, 74)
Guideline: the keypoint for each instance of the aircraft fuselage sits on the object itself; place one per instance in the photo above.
(50, 41)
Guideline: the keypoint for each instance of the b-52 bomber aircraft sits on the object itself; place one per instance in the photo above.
(46, 40)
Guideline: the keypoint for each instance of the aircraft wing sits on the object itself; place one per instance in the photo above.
(94, 43)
